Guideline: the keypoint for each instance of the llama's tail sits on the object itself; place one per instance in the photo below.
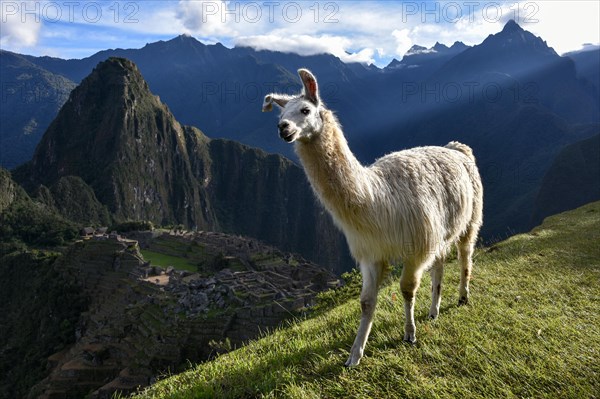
(465, 149)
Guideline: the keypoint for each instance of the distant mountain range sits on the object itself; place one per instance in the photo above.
(420, 62)
(512, 98)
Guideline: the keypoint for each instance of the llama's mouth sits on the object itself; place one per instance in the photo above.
(287, 136)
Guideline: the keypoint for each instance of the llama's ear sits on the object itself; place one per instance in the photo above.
(311, 89)
(267, 103)
(279, 99)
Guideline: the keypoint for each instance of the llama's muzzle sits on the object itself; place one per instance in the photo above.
(284, 131)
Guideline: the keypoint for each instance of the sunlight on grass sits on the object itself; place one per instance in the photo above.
(164, 261)
(530, 330)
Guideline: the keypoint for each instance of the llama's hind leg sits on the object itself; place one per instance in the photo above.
(409, 284)
(371, 275)
(465, 248)
(437, 273)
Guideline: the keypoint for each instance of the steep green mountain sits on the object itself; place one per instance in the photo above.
(572, 180)
(31, 97)
(529, 331)
(126, 145)
(138, 161)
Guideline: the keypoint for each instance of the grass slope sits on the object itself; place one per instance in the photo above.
(164, 261)
(532, 329)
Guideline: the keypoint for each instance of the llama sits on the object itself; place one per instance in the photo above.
(410, 205)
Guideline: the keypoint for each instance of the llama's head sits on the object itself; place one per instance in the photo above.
(300, 117)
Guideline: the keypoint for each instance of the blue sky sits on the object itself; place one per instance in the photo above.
(356, 31)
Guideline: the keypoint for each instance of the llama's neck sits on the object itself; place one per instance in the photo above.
(335, 174)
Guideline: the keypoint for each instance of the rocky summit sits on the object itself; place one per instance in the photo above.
(125, 144)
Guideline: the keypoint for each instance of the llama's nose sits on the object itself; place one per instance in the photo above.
(283, 125)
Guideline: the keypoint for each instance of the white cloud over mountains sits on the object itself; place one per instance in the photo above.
(16, 30)
(307, 45)
(354, 31)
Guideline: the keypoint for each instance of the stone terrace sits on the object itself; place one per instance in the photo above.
(135, 328)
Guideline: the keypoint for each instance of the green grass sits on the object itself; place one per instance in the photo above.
(532, 329)
(164, 261)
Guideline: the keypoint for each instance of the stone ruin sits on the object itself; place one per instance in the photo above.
(144, 319)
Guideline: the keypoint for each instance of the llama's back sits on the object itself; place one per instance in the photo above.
(465, 149)
(436, 196)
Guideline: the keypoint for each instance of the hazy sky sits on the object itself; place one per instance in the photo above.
(365, 31)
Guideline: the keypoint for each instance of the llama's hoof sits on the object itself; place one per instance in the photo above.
(355, 355)
(432, 316)
(463, 301)
(351, 362)
(410, 339)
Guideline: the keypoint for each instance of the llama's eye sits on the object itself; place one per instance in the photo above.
(305, 111)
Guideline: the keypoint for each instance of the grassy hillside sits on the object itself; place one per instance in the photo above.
(530, 330)
(164, 261)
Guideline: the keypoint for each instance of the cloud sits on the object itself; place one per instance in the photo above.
(17, 29)
(566, 28)
(403, 41)
(206, 18)
(307, 45)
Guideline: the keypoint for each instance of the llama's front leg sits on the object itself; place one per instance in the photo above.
(371, 275)
(437, 273)
(409, 284)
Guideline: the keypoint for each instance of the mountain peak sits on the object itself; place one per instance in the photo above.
(185, 39)
(394, 64)
(458, 45)
(439, 47)
(112, 76)
(416, 49)
(512, 26)
(122, 141)
(514, 38)
(116, 64)
(513, 51)
(105, 109)
(185, 36)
